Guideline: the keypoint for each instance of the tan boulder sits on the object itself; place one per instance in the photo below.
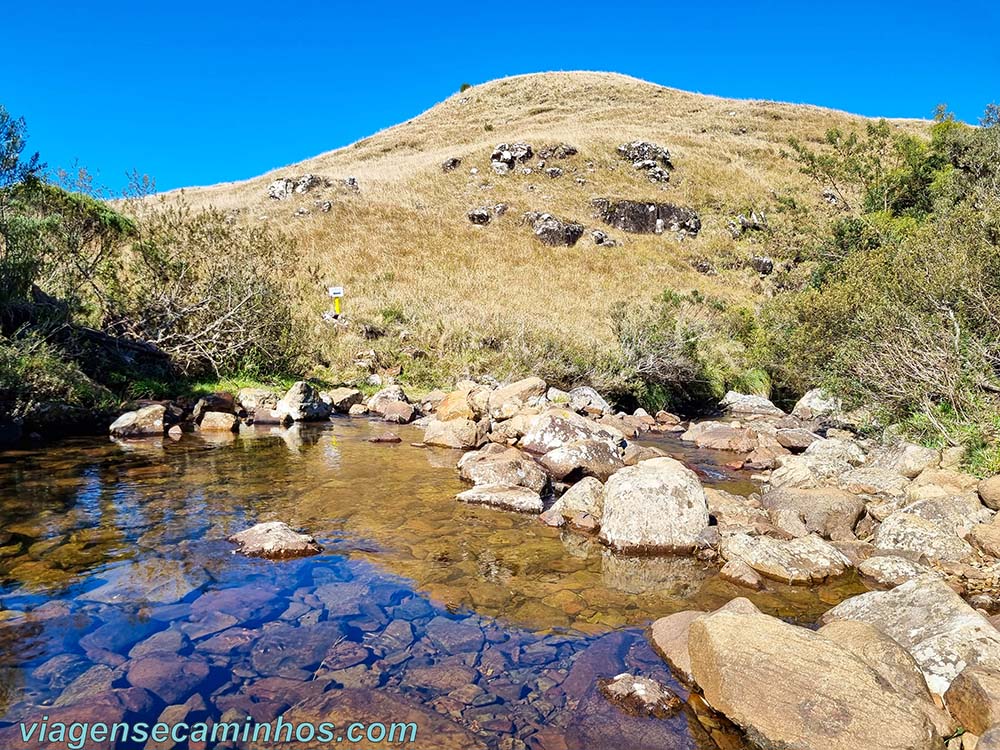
(455, 406)
(518, 392)
(974, 699)
(217, 421)
(808, 559)
(463, 434)
(989, 492)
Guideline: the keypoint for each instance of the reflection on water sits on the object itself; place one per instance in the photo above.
(114, 574)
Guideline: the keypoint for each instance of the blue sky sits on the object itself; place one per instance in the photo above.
(198, 93)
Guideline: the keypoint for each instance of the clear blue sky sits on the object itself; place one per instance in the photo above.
(197, 93)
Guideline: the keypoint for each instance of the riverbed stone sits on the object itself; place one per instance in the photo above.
(455, 636)
(591, 458)
(657, 505)
(342, 399)
(586, 496)
(912, 534)
(456, 405)
(888, 571)
(154, 580)
(519, 392)
(743, 403)
(974, 699)
(788, 687)
(217, 421)
(302, 403)
(805, 560)
(143, 422)
(796, 438)
(927, 618)
(519, 499)
(557, 427)
(906, 458)
(457, 433)
(721, 436)
(830, 512)
(640, 696)
(274, 540)
(171, 677)
(739, 573)
(494, 465)
(816, 403)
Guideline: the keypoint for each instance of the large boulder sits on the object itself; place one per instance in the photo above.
(591, 458)
(459, 433)
(455, 405)
(494, 465)
(821, 463)
(830, 512)
(342, 399)
(556, 427)
(932, 622)
(302, 403)
(974, 699)
(789, 687)
(910, 533)
(957, 514)
(805, 560)
(584, 396)
(743, 403)
(648, 218)
(274, 540)
(218, 421)
(655, 506)
(552, 231)
(907, 459)
(251, 400)
(888, 571)
(506, 156)
(384, 399)
(721, 436)
(143, 422)
(816, 403)
(515, 394)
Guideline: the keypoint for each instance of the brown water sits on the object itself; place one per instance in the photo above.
(113, 552)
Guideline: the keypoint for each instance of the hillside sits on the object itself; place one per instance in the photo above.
(420, 277)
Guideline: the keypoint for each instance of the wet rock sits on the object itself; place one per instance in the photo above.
(816, 403)
(929, 620)
(170, 677)
(586, 496)
(742, 403)
(739, 573)
(507, 498)
(251, 602)
(515, 394)
(444, 676)
(342, 399)
(294, 652)
(657, 505)
(346, 706)
(507, 467)
(166, 641)
(720, 436)
(888, 571)
(455, 433)
(386, 437)
(302, 403)
(557, 427)
(155, 580)
(827, 511)
(274, 540)
(94, 682)
(145, 422)
(787, 686)
(592, 458)
(553, 231)
(797, 561)
(640, 696)
(909, 533)
(648, 218)
(974, 699)
(217, 421)
(455, 636)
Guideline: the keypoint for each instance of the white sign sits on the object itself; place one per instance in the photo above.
(335, 291)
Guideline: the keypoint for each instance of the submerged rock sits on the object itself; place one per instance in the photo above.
(640, 696)
(274, 540)
(656, 505)
(520, 499)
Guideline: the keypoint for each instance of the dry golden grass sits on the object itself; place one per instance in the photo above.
(404, 243)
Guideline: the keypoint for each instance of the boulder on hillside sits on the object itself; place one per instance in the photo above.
(458, 433)
(789, 687)
(552, 231)
(506, 156)
(645, 151)
(451, 164)
(302, 403)
(557, 427)
(274, 540)
(480, 216)
(144, 422)
(648, 218)
(805, 560)
(591, 458)
(932, 622)
(655, 506)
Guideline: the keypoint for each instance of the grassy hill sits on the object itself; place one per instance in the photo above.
(430, 292)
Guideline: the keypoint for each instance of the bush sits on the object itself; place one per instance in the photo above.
(32, 370)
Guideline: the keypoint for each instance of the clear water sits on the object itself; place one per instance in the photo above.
(487, 626)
